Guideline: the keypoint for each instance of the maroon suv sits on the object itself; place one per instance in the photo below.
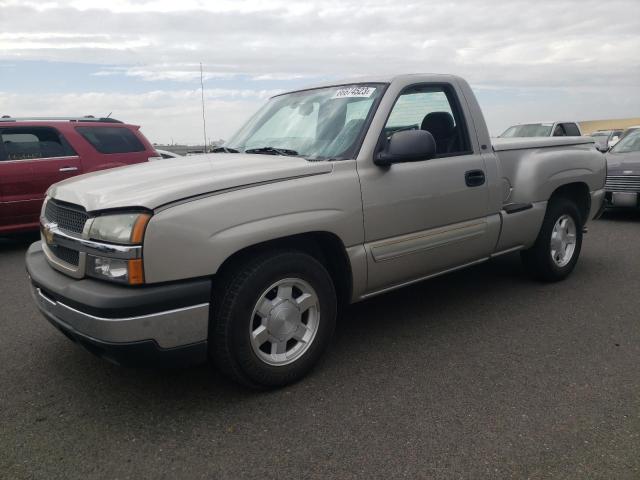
(37, 152)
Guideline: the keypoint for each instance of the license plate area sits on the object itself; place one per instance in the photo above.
(624, 199)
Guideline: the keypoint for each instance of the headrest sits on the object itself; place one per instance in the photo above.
(439, 124)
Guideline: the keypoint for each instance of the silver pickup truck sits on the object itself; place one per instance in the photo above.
(327, 195)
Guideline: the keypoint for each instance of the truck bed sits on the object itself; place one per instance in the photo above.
(531, 169)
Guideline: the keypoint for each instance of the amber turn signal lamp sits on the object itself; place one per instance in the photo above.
(137, 233)
(136, 273)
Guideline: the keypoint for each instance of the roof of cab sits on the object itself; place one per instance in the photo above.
(374, 79)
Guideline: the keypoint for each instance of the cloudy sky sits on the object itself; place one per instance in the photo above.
(139, 59)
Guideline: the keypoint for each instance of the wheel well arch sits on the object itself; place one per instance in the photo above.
(577, 192)
(326, 247)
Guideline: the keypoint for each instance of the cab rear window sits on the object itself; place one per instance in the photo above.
(112, 139)
(571, 129)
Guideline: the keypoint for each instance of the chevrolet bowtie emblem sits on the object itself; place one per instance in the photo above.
(47, 231)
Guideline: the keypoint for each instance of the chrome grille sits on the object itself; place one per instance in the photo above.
(622, 183)
(69, 218)
(67, 255)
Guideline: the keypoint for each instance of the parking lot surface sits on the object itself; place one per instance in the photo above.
(478, 374)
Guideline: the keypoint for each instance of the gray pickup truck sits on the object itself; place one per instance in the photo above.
(327, 195)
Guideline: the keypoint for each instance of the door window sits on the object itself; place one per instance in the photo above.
(434, 109)
(25, 143)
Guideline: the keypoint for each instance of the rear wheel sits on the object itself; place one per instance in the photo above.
(275, 316)
(557, 248)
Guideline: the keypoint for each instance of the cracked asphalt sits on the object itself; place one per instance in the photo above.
(479, 374)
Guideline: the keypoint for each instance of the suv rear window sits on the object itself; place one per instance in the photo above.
(112, 139)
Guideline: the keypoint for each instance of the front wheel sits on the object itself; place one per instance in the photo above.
(557, 248)
(275, 316)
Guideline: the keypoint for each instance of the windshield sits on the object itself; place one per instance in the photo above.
(528, 130)
(629, 143)
(317, 124)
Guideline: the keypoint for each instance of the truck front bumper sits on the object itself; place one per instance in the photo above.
(155, 325)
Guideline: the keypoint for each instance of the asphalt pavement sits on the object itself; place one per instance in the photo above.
(479, 374)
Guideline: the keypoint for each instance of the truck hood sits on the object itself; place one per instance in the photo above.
(157, 183)
(623, 163)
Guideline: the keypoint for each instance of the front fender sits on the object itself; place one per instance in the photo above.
(192, 239)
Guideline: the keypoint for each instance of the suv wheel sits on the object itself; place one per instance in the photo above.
(557, 248)
(275, 316)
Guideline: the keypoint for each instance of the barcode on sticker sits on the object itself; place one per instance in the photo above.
(349, 92)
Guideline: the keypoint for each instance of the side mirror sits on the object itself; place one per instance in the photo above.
(602, 148)
(407, 146)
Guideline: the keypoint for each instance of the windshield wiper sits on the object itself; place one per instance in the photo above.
(272, 151)
(224, 150)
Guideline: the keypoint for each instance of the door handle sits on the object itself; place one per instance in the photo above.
(474, 178)
(68, 169)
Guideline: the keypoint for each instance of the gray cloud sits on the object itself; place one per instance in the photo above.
(588, 48)
(164, 115)
(515, 42)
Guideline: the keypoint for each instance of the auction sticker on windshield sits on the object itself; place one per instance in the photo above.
(350, 92)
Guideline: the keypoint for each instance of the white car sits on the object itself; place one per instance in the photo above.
(543, 129)
(167, 154)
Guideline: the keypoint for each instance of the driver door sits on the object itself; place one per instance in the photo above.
(428, 216)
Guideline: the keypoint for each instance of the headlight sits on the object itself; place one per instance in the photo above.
(115, 269)
(123, 228)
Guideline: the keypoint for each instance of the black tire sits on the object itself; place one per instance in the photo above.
(537, 259)
(234, 300)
